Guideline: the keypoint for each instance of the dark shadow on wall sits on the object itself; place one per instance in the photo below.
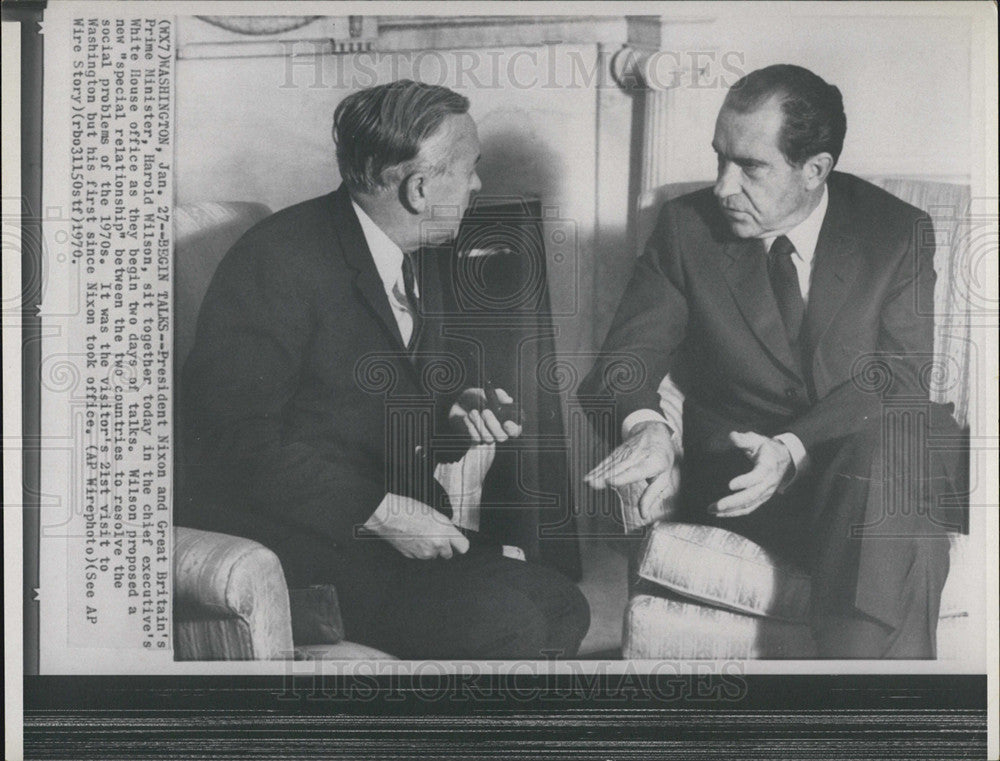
(515, 162)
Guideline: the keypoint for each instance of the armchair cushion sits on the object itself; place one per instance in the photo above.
(231, 603)
(316, 615)
(628, 503)
(659, 627)
(340, 651)
(725, 569)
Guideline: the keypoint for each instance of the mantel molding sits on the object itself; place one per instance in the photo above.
(402, 33)
(246, 36)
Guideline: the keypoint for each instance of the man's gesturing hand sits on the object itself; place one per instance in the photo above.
(416, 529)
(647, 453)
(772, 461)
(472, 413)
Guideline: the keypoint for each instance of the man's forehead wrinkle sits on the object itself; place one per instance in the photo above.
(748, 145)
(739, 155)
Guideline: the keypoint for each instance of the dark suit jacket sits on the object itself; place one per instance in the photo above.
(302, 408)
(700, 307)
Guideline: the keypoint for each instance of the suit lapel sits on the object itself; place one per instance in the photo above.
(359, 258)
(835, 266)
(746, 275)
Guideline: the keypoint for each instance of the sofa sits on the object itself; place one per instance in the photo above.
(699, 592)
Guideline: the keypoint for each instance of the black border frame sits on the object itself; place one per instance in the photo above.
(626, 716)
(630, 715)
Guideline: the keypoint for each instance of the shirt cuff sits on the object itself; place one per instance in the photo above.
(800, 460)
(644, 416)
(378, 517)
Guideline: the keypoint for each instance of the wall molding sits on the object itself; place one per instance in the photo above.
(435, 32)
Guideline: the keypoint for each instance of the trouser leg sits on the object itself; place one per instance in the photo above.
(880, 560)
(852, 634)
(478, 606)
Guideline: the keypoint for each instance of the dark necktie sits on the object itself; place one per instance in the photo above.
(785, 284)
(409, 281)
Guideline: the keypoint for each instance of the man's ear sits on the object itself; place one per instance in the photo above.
(412, 192)
(816, 169)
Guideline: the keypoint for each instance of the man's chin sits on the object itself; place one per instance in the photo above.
(744, 228)
(741, 224)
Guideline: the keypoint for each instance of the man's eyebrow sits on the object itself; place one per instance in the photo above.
(741, 160)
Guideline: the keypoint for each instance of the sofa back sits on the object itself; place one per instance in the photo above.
(203, 233)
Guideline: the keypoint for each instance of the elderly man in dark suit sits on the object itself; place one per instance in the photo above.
(310, 400)
(772, 299)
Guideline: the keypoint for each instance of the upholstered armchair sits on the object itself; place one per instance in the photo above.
(701, 592)
(231, 603)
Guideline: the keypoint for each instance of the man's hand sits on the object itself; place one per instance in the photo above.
(772, 462)
(416, 529)
(647, 453)
(471, 413)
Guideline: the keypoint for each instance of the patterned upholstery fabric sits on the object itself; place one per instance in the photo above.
(231, 603)
(316, 615)
(728, 595)
(230, 599)
(724, 569)
(664, 628)
(628, 504)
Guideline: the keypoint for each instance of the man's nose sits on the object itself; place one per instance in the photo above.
(477, 184)
(727, 183)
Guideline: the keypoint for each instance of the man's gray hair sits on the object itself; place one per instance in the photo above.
(381, 128)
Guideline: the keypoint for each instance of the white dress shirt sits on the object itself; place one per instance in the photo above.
(462, 480)
(389, 263)
(804, 236)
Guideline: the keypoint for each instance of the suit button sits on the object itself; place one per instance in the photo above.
(791, 393)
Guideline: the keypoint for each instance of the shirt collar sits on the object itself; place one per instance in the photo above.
(387, 255)
(805, 235)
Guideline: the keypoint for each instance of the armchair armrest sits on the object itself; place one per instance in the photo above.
(628, 501)
(230, 599)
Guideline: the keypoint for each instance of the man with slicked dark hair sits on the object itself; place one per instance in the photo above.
(770, 300)
(321, 323)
